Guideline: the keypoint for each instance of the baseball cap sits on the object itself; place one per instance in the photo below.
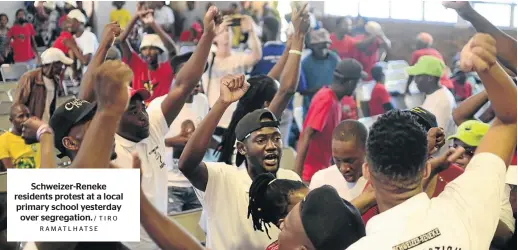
(349, 69)
(373, 28)
(425, 38)
(78, 15)
(66, 116)
(319, 36)
(152, 40)
(252, 122)
(424, 117)
(330, 222)
(52, 55)
(427, 65)
(471, 132)
(183, 58)
(141, 92)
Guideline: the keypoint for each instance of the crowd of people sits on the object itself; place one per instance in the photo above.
(207, 126)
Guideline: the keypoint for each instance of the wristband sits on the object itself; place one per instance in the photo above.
(296, 52)
(44, 129)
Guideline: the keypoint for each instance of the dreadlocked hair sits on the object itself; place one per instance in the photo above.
(262, 89)
(269, 200)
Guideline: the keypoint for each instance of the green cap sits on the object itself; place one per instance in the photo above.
(427, 65)
(471, 132)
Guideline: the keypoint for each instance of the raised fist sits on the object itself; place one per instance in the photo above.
(436, 139)
(110, 32)
(30, 129)
(300, 19)
(112, 79)
(479, 54)
(457, 5)
(232, 88)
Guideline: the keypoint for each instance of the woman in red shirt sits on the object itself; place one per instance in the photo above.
(22, 40)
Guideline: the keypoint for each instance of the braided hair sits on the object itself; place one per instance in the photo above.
(262, 89)
(269, 200)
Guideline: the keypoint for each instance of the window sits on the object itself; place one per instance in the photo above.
(497, 14)
(409, 10)
(515, 16)
(434, 11)
(341, 8)
(373, 8)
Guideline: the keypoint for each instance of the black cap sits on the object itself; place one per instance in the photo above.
(330, 222)
(66, 116)
(424, 117)
(349, 69)
(377, 70)
(181, 59)
(252, 122)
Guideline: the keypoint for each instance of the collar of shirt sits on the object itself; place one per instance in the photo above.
(396, 216)
(127, 144)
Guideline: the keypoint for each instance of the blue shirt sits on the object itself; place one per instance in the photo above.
(319, 73)
(272, 52)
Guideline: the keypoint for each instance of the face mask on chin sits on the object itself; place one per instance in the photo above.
(21, 20)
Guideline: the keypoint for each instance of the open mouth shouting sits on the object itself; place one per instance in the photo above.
(271, 159)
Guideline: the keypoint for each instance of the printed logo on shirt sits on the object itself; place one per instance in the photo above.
(21, 37)
(158, 156)
(25, 162)
(150, 87)
(418, 240)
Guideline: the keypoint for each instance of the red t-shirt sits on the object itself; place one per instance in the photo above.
(157, 82)
(21, 36)
(349, 108)
(59, 43)
(369, 57)
(324, 114)
(379, 97)
(443, 178)
(462, 90)
(345, 48)
(424, 52)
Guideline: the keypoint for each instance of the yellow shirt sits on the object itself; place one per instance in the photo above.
(22, 155)
(121, 16)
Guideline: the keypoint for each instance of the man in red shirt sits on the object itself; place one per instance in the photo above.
(22, 40)
(380, 98)
(151, 67)
(341, 41)
(368, 45)
(324, 114)
(461, 88)
(423, 46)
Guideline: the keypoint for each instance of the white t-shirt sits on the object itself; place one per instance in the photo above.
(332, 176)
(225, 204)
(88, 44)
(50, 86)
(195, 112)
(464, 216)
(441, 103)
(154, 173)
(237, 63)
(164, 15)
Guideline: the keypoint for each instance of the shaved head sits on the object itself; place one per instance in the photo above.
(16, 108)
(349, 130)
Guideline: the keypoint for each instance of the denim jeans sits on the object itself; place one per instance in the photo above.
(181, 199)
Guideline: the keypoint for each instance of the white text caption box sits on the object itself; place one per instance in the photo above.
(112, 215)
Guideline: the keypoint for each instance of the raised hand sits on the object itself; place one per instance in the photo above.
(209, 21)
(147, 17)
(247, 23)
(479, 53)
(143, 13)
(232, 88)
(30, 129)
(457, 5)
(112, 79)
(436, 139)
(110, 32)
(300, 19)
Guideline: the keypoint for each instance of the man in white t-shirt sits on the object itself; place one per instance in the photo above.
(143, 130)
(466, 214)
(348, 149)
(164, 16)
(86, 40)
(439, 100)
(226, 187)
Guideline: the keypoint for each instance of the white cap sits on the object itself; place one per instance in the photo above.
(152, 40)
(510, 176)
(373, 28)
(73, 3)
(78, 15)
(52, 55)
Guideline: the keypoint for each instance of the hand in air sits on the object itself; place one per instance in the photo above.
(479, 54)
(300, 19)
(232, 88)
(30, 129)
(436, 139)
(112, 79)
